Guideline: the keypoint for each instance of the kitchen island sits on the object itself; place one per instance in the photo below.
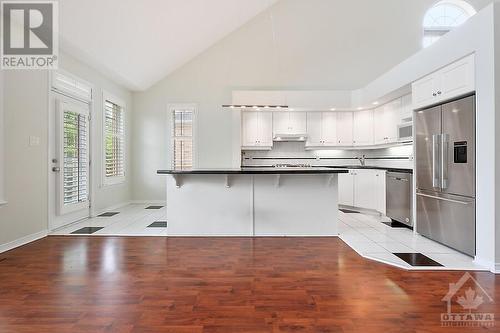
(253, 202)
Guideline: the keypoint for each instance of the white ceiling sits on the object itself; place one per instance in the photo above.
(139, 42)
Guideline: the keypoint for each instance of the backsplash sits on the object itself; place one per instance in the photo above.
(295, 153)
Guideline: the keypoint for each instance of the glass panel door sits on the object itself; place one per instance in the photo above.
(73, 156)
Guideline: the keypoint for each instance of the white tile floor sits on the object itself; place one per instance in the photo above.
(132, 220)
(366, 234)
(374, 240)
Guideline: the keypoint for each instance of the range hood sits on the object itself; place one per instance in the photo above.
(290, 137)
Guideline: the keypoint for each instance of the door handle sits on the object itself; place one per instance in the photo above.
(443, 199)
(435, 150)
(56, 169)
(444, 161)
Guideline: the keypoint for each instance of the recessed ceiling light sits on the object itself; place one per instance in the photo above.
(360, 108)
(333, 109)
(375, 103)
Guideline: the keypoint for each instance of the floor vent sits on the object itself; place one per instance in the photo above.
(347, 211)
(417, 259)
(86, 230)
(158, 224)
(108, 214)
(154, 207)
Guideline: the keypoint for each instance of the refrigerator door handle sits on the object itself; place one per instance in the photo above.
(435, 160)
(444, 161)
(443, 199)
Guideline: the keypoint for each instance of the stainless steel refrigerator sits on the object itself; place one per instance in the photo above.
(445, 173)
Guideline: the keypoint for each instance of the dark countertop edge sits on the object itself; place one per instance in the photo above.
(253, 172)
(403, 170)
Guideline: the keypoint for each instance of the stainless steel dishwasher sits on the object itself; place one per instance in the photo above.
(399, 201)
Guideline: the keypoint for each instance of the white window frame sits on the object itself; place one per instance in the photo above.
(117, 180)
(2, 139)
(441, 31)
(170, 125)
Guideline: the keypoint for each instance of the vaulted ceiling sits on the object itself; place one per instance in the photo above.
(138, 42)
(339, 44)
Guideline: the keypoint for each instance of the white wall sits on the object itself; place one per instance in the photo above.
(2, 138)
(103, 196)
(25, 115)
(496, 142)
(26, 167)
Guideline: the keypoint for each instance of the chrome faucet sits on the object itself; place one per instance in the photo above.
(362, 160)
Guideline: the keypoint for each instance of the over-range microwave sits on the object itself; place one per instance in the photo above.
(405, 132)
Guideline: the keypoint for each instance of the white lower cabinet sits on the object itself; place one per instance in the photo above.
(364, 184)
(363, 188)
(346, 188)
(379, 191)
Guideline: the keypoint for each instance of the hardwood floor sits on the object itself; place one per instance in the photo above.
(143, 284)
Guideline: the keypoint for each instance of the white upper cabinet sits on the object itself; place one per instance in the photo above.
(256, 130)
(344, 129)
(452, 81)
(406, 108)
(321, 129)
(289, 123)
(386, 121)
(329, 128)
(314, 129)
(363, 128)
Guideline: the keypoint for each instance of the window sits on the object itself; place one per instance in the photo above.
(75, 155)
(443, 17)
(114, 141)
(183, 120)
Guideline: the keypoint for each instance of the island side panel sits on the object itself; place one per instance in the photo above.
(204, 206)
(299, 205)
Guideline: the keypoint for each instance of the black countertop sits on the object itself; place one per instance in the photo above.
(256, 171)
(373, 167)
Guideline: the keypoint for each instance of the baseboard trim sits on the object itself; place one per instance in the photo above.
(23, 241)
(490, 265)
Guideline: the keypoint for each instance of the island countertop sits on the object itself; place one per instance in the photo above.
(255, 171)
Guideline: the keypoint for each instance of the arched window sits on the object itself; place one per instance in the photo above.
(443, 17)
